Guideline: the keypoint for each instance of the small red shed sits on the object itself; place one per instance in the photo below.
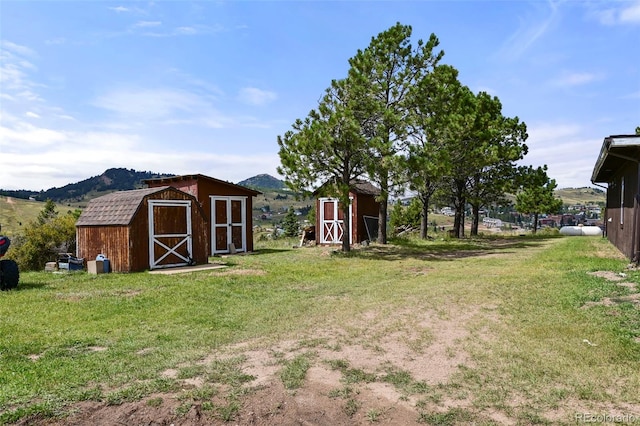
(143, 229)
(364, 210)
(227, 208)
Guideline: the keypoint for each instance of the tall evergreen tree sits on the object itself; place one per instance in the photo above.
(328, 146)
(484, 150)
(535, 194)
(383, 75)
(498, 144)
(437, 99)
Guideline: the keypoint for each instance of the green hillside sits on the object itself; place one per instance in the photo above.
(262, 182)
(79, 193)
(16, 213)
(581, 195)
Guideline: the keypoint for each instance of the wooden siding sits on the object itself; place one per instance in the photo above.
(363, 205)
(619, 166)
(127, 246)
(366, 206)
(203, 187)
(622, 215)
(110, 240)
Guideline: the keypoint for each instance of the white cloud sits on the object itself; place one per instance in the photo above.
(530, 31)
(186, 30)
(17, 49)
(621, 13)
(14, 68)
(145, 28)
(569, 150)
(57, 40)
(149, 103)
(40, 157)
(631, 14)
(147, 24)
(24, 136)
(575, 79)
(120, 9)
(17, 77)
(542, 133)
(169, 107)
(82, 155)
(633, 95)
(257, 97)
(31, 114)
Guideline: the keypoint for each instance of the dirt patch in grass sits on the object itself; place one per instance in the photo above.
(630, 286)
(387, 368)
(608, 275)
(612, 301)
(618, 278)
(382, 367)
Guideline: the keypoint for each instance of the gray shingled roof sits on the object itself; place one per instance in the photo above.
(364, 187)
(117, 208)
(358, 186)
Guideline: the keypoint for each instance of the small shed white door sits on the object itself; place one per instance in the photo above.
(228, 224)
(170, 238)
(332, 221)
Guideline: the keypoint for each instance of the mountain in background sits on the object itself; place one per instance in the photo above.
(121, 179)
(117, 179)
(263, 181)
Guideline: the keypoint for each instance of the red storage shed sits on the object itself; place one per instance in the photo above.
(144, 229)
(364, 215)
(227, 208)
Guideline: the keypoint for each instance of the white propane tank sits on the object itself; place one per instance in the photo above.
(593, 231)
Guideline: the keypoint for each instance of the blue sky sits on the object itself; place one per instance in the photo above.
(206, 87)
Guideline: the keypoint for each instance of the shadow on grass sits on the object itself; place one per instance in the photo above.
(442, 250)
(269, 251)
(25, 286)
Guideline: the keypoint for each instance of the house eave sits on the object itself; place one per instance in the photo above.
(615, 150)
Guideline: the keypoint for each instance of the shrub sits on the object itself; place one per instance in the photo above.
(44, 238)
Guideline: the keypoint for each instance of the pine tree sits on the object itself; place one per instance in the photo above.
(535, 195)
(290, 223)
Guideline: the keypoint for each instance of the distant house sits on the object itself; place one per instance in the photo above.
(619, 167)
(143, 229)
(227, 209)
(364, 210)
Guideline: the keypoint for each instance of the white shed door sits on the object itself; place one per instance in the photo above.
(228, 224)
(170, 238)
(332, 221)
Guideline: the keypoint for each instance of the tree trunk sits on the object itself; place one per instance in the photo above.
(475, 220)
(346, 228)
(382, 215)
(535, 222)
(424, 220)
(458, 203)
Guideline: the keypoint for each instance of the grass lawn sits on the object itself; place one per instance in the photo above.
(533, 352)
